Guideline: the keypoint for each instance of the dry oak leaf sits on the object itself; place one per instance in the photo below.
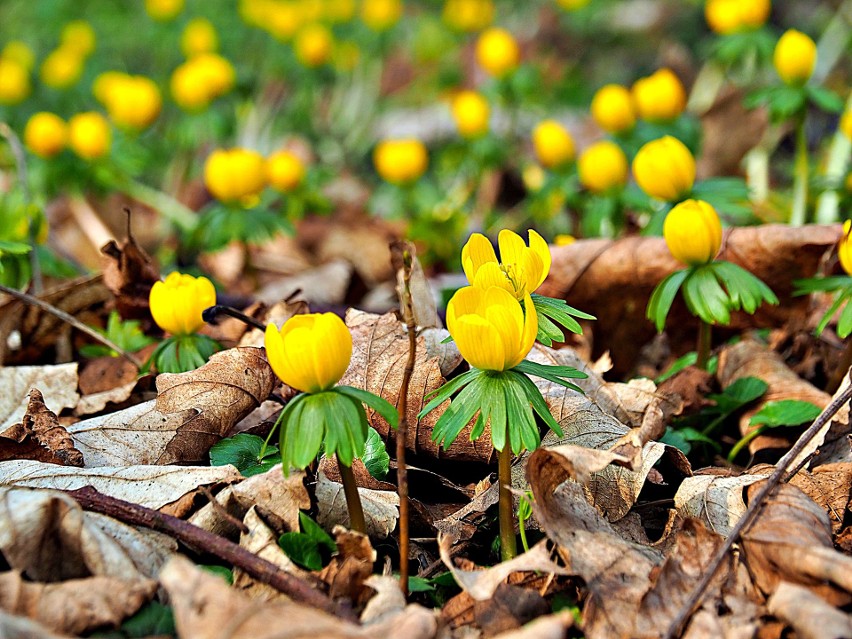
(205, 607)
(58, 385)
(808, 614)
(351, 566)
(549, 627)
(381, 507)
(39, 436)
(129, 273)
(192, 412)
(75, 606)
(14, 627)
(47, 535)
(716, 500)
(613, 280)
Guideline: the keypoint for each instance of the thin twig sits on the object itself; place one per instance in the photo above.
(73, 321)
(778, 476)
(212, 312)
(201, 540)
(223, 513)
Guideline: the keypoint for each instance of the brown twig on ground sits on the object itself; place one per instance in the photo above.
(779, 475)
(199, 539)
(222, 512)
(73, 321)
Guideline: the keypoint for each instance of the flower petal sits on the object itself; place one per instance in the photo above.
(539, 248)
(490, 274)
(476, 252)
(512, 247)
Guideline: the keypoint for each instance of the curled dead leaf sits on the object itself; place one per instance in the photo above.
(58, 385)
(39, 436)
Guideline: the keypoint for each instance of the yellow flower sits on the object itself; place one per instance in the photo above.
(754, 13)
(497, 52)
(14, 82)
(133, 102)
(468, 15)
(664, 168)
(572, 5)
(400, 161)
(79, 36)
(693, 232)
(163, 10)
(659, 97)
(612, 108)
(602, 166)
(62, 68)
(490, 328)
(19, 52)
(177, 303)
(846, 123)
(339, 10)
(313, 45)
(723, 16)
(471, 112)
(520, 269)
(795, 57)
(45, 134)
(554, 146)
(310, 352)
(235, 175)
(564, 239)
(284, 171)
(380, 15)
(199, 36)
(104, 84)
(201, 79)
(89, 135)
(844, 248)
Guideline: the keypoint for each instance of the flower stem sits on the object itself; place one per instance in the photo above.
(508, 545)
(704, 340)
(353, 500)
(798, 216)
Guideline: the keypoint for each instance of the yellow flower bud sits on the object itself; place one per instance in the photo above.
(723, 16)
(795, 57)
(105, 83)
(62, 68)
(176, 304)
(553, 145)
(45, 134)
(310, 352)
(79, 36)
(471, 112)
(754, 13)
(215, 71)
(14, 82)
(19, 52)
(468, 15)
(380, 15)
(235, 176)
(89, 135)
(665, 169)
(132, 102)
(281, 19)
(163, 10)
(612, 108)
(313, 45)
(201, 79)
(693, 232)
(490, 328)
(520, 270)
(400, 161)
(199, 36)
(659, 97)
(846, 123)
(497, 52)
(284, 171)
(602, 166)
(844, 248)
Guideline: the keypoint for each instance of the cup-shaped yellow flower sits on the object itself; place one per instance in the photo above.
(14, 82)
(795, 57)
(520, 270)
(199, 36)
(497, 52)
(844, 248)
(664, 168)
(314, 45)
(310, 352)
(400, 161)
(176, 303)
(89, 135)
(163, 10)
(754, 13)
(381, 15)
(468, 15)
(572, 5)
(235, 176)
(612, 108)
(602, 166)
(846, 123)
(693, 232)
(660, 97)
(62, 68)
(471, 112)
(20, 52)
(490, 328)
(285, 171)
(79, 36)
(731, 16)
(132, 101)
(45, 134)
(554, 146)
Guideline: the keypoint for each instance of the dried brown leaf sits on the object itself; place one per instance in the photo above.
(40, 437)
(351, 566)
(550, 627)
(381, 507)
(461, 525)
(58, 385)
(14, 627)
(808, 614)
(716, 500)
(129, 273)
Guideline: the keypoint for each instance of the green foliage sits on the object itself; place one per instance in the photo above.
(182, 353)
(248, 453)
(219, 225)
(841, 286)
(551, 312)
(220, 571)
(309, 548)
(153, 620)
(683, 362)
(376, 457)
(126, 334)
(785, 412)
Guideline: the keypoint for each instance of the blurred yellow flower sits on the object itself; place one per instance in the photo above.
(14, 82)
(89, 135)
(660, 97)
(45, 134)
(471, 112)
(731, 16)
(19, 52)
(844, 248)
(665, 169)
(572, 5)
(554, 146)
(281, 19)
(163, 10)
(132, 101)
(846, 123)
(490, 328)
(79, 36)
(381, 15)
(201, 79)
(693, 232)
(339, 10)
(612, 108)
(176, 304)
(534, 177)
(795, 57)
(400, 161)
(285, 171)
(564, 239)
(313, 45)
(754, 13)
(235, 176)
(468, 15)
(199, 36)
(520, 270)
(104, 83)
(497, 52)
(310, 352)
(602, 166)
(62, 68)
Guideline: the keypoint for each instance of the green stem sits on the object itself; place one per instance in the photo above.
(353, 500)
(508, 545)
(799, 214)
(703, 351)
(743, 442)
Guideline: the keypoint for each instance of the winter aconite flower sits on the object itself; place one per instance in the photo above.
(795, 57)
(660, 97)
(235, 176)
(844, 248)
(665, 169)
(468, 15)
(45, 134)
(732, 16)
(471, 112)
(132, 101)
(79, 36)
(612, 108)
(163, 10)
(285, 171)
(846, 123)
(381, 15)
(89, 135)
(693, 232)
(199, 80)
(520, 270)
(497, 52)
(602, 166)
(310, 352)
(490, 328)
(62, 68)
(400, 161)
(14, 82)
(177, 302)
(199, 36)
(313, 45)
(554, 146)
